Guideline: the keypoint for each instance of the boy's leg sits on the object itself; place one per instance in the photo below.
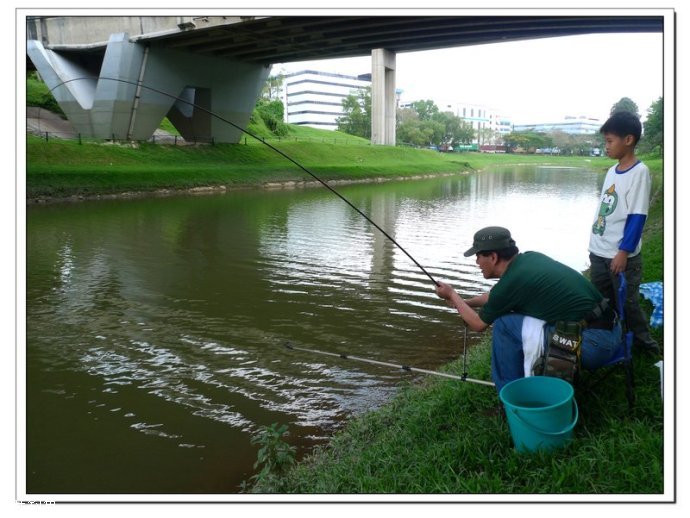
(600, 275)
(607, 284)
(635, 316)
(507, 357)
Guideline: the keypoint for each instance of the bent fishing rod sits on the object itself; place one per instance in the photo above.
(407, 368)
(139, 84)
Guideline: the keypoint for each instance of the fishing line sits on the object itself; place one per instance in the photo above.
(386, 364)
(464, 350)
(139, 84)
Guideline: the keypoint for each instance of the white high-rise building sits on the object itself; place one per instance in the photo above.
(315, 99)
(482, 118)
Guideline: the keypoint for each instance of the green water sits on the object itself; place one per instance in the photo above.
(155, 327)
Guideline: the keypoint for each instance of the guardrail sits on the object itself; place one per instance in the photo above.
(176, 140)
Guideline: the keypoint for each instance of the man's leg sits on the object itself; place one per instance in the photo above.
(599, 346)
(507, 357)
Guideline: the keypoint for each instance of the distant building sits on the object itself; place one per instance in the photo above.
(315, 99)
(480, 117)
(570, 125)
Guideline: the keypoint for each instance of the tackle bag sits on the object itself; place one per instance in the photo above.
(562, 352)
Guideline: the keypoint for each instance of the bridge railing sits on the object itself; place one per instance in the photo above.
(176, 140)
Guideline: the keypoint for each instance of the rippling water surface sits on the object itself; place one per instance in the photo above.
(155, 328)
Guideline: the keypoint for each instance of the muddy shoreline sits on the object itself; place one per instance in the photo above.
(218, 189)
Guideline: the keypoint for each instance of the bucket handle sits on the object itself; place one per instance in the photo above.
(576, 413)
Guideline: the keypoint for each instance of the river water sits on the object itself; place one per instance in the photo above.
(156, 327)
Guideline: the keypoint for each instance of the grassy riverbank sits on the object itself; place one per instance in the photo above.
(64, 168)
(442, 437)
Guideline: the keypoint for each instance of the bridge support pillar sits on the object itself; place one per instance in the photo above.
(135, 87)
(383, 97)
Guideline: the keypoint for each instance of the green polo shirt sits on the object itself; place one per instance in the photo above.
(538, 286)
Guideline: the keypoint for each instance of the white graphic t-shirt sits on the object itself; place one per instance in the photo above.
(622, 211)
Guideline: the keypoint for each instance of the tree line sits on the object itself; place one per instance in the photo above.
(423, 124)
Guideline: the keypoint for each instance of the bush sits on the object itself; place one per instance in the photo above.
(275, 456)
(272, 112)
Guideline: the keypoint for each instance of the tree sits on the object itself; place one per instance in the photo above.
(455, 129)
(654, 127)
(464, 132)
(273, 87)
(486, 136)
(357, 114)
(411, 130)
(625, 105)
(426, 109)
(429, 126)
(527, 141)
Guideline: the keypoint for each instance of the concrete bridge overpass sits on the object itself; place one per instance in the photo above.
(219, 63)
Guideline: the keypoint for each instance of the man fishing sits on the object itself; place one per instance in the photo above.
(535, 297)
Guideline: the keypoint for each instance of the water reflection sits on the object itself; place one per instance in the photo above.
(155, 328)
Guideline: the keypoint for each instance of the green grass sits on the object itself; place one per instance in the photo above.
(60, 168)
(439, 437)
(65, 167)
(653, 237)
(166, 125)
(37, 94)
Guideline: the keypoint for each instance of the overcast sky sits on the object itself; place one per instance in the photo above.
(531, 81)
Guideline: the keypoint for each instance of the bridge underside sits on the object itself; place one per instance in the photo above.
(283, 39)
(134, 87)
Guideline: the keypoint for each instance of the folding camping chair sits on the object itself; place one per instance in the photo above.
(623, 354)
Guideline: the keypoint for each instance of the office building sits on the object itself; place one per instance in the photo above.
(315, 99)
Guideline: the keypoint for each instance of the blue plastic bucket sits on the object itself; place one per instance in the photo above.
(541, 412)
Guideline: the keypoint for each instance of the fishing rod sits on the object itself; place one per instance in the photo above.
(139, 84)
(386, 364)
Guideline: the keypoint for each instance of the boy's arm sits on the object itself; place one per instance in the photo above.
(632, 233)
(634, 223)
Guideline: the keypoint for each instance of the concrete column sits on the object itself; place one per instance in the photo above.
(74, 97)
(111, 104)
(383, 97)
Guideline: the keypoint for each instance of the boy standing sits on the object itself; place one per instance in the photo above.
(615, 241)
